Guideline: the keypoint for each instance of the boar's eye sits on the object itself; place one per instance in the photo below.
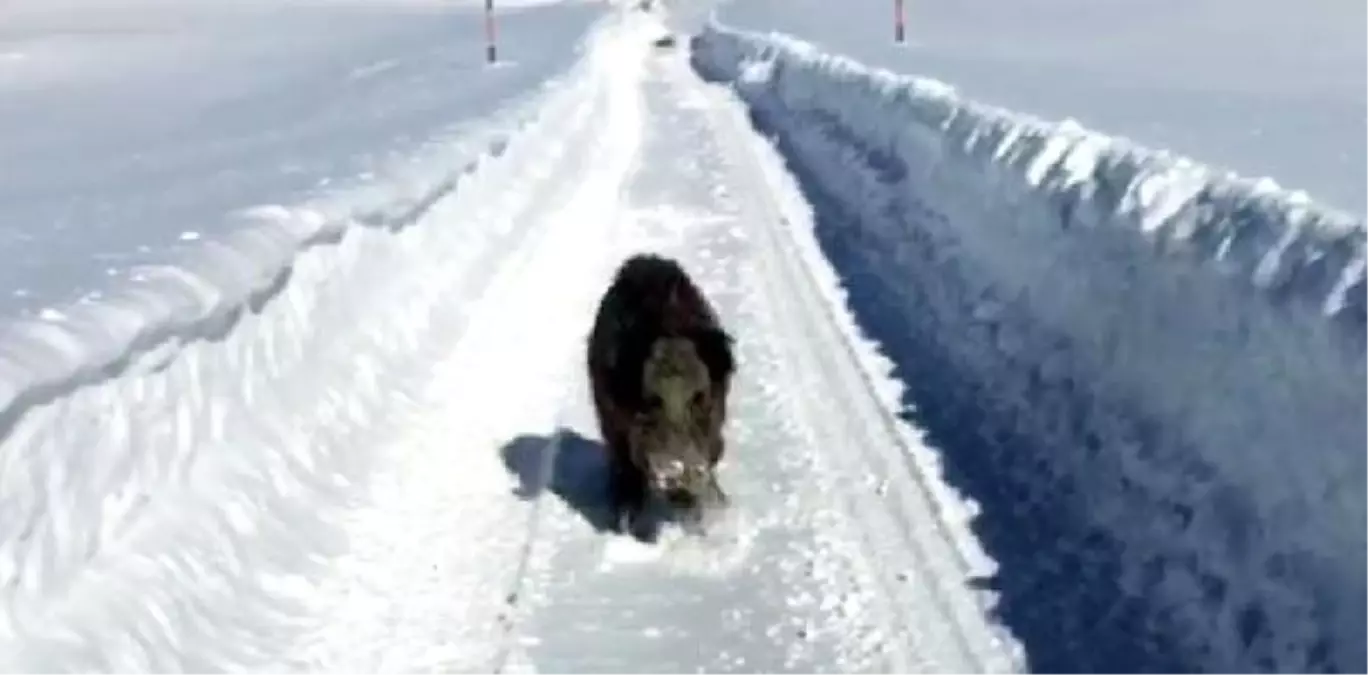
(697, 399)
(653, 401)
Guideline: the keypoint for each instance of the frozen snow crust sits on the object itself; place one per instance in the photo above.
(172, 454)
(1149, 376)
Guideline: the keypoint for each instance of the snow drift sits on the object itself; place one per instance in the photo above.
(1245, 85)
(130, 128)
(1148, 375)
(175, 453)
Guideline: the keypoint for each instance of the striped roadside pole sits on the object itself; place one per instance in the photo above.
(491, 51)
(899, 19)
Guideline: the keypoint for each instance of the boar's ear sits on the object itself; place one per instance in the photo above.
(715, 348)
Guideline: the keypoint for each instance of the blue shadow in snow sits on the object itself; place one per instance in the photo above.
(570, 466)
(575, 470)
(1057, 576)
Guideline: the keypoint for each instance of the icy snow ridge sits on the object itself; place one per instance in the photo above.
(172, 453)
(1149, 375)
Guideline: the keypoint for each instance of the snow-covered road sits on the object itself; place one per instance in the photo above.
(479, 545)
(321, 404)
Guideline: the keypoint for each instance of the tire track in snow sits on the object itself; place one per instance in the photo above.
(916, 536)
(816, 566)
(809, 569)
(598, 602)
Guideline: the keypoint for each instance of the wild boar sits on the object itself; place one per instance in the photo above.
(660, 367)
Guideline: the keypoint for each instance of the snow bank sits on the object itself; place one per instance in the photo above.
(174, 456)
(1148, 375)
(1262, 87)
(159, 117)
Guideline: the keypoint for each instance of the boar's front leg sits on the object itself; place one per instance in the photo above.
(627, 493)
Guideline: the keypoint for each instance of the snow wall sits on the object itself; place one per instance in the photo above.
(176, 456)
(1149, 376)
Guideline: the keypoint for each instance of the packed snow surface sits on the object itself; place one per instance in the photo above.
(1266, 88)
(1147, 373)
(359, 436)
(321, 403)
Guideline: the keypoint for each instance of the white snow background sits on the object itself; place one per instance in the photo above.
(203, 207)
(265, 261)
(1148, 372)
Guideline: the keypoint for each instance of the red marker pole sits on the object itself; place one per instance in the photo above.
(899, 33)
(491, 52)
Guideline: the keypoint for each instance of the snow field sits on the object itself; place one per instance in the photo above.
(449, 569)
(811, 568)
(905, 512)
(1258, 87)
(1147, 375)
(1138, 382)
(174, 452)
(131, 130)
(441, 551)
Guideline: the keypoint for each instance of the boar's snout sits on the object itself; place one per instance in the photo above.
(677, 477)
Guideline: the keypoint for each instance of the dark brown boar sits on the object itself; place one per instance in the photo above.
(660, 365)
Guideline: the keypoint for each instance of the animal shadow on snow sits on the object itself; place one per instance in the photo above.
(1056, 576)
(575, 469)
(570, 466)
